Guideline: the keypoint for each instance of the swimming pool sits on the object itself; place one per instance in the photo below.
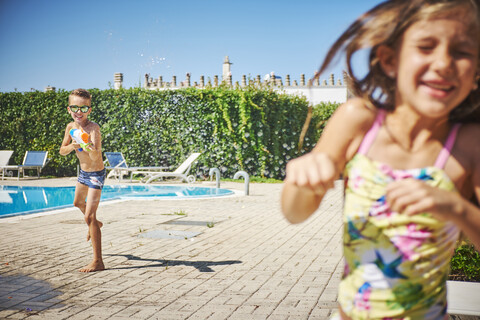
(21, 200)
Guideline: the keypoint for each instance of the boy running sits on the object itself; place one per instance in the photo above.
(92, 171)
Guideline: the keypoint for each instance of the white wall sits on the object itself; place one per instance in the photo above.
(316, 95)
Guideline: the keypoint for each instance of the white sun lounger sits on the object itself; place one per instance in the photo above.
(119, 167)
(181, 172)
(4, 159)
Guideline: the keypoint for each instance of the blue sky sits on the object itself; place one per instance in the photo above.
(71, 44)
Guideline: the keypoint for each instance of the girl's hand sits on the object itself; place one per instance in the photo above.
(411, 196)
(314, 171)
(75, 145)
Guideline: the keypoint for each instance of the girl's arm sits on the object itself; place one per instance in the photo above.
(469, 221)
(310, 176)
(308, 179)
(412, 196)
(66, 146)
(466, 214)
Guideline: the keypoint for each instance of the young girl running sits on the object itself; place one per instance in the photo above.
(408, 146)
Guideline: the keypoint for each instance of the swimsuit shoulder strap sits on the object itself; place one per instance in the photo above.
(372, 133)
(447, 148)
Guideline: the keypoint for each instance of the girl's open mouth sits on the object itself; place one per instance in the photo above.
(442, 87)
(438, 90)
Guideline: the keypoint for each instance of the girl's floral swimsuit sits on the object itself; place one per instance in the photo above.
(396, 266)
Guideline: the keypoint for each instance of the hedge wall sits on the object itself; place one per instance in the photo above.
(251, 129)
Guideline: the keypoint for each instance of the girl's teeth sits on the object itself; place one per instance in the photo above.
(440, 87)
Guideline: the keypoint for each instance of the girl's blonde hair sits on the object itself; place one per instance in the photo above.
(384, 25)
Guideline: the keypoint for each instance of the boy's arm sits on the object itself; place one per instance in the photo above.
(96, 146)
(66, 146)
(309, 177)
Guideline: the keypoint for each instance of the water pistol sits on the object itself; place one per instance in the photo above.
(81, 138)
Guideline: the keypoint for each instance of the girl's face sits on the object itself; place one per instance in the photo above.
(436, 65)
(79, 116)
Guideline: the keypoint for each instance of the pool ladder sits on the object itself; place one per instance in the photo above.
(246, 177)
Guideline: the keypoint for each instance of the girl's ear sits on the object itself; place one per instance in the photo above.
(388, 60)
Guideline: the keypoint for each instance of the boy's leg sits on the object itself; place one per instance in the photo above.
(81, 192)
(93, 201)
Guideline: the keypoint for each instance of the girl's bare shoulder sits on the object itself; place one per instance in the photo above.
(346, 128)
(357, 115)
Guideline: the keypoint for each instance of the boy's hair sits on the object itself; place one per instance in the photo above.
(80, 93)
(384, 25)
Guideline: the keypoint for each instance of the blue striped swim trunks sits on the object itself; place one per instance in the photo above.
(94, 179)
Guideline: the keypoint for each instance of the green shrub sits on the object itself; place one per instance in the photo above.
(465, 264)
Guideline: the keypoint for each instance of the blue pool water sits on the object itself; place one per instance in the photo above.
(19, 200)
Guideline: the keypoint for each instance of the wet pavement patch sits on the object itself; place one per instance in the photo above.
(191, 223)
(168, 234)
(21, 292)
(79, 221)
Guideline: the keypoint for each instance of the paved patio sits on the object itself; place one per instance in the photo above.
(246, 261)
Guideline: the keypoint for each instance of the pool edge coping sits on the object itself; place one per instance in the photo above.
(18, 218)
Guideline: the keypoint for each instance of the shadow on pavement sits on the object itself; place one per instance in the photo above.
(21, 292)
(202, 266)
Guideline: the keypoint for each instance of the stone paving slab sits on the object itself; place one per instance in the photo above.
(247, 262)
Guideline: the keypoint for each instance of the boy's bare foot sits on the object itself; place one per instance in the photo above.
(88, 233)
(93, 266)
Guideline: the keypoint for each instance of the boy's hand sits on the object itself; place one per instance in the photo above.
(85, 147)
(89, 147)
(412, 196)
(314, 171)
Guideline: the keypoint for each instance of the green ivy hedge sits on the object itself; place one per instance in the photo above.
(251, 129)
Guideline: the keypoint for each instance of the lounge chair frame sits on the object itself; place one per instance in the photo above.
(181, 172)
(121, 168)
(35, 160)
